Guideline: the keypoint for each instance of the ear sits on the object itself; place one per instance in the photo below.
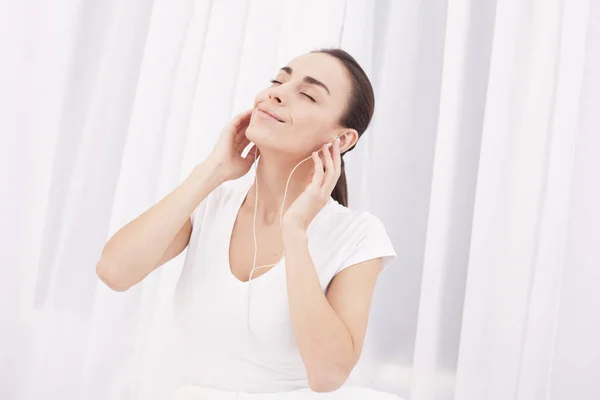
(348, 138)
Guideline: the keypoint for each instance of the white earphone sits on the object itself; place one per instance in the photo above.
(254, 267)
(280, 210)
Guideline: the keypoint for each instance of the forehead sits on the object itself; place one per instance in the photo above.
(324, 68)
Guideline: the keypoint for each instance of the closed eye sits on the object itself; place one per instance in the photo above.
(311, 98)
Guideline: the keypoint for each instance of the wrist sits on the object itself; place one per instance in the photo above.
(210, 172)
(293, 231)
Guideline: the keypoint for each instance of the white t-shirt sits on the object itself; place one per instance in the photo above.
(211, 304)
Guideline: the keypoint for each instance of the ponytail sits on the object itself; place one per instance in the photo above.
(340, 191)
(358, 112)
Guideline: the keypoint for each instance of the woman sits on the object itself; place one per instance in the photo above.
(276, 288)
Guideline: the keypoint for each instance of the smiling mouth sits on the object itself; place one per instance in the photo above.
(266, 114)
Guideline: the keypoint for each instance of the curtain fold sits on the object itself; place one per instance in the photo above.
(480, 160)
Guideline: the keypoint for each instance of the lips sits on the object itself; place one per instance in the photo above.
(270, 113)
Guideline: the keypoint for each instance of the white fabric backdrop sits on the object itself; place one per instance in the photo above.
(480, 160)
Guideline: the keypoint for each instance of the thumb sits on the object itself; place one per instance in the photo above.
(252, 155)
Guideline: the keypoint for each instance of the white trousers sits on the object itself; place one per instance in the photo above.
(191, 392)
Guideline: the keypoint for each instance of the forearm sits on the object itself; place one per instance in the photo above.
(323, 340)
(137, 248)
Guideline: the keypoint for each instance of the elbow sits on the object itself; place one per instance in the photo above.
(324, 382)
(109, 273)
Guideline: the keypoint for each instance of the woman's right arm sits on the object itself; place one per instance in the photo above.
(157, 235)
(163, 231)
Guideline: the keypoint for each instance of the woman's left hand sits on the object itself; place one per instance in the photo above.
(302, 211)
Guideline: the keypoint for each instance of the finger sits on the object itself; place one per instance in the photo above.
(329, 180)
(236, 129)
(239, 134)
(240, 119)
(252, 155)
(240, 146)
(317, 179)
(337, 158)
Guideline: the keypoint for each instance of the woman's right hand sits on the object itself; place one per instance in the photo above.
(227, 154)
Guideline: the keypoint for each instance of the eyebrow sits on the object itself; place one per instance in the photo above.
(307, 79)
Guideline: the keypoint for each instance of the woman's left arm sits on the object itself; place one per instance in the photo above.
(329, 330)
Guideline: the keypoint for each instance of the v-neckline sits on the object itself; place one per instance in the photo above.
(231, 227)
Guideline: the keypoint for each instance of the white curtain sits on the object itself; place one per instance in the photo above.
(482, 161)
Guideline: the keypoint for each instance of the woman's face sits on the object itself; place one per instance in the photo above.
(307, 98)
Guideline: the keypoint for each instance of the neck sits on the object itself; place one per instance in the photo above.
(272, 173)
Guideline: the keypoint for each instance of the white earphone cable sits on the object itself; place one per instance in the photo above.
(254, 267)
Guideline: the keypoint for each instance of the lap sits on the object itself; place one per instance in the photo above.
(190, 392)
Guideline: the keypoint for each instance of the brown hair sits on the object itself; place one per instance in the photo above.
(358, 112)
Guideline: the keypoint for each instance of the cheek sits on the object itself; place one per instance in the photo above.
(313, 126)
(260, 97)
(308, 138)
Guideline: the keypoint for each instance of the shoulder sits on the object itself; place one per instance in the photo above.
(353, 234)
(349, 236)
(230, 190)
(219, 201)
(339, 220)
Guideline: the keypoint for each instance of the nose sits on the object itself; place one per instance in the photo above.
(274, 97)
(275, 94)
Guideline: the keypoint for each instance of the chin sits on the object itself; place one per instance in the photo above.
(262, 136)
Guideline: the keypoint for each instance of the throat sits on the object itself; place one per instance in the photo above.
(269, 245)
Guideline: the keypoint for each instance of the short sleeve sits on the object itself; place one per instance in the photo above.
(373, 242)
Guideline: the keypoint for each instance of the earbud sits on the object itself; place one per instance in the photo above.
(254, 266)
(331, 144)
